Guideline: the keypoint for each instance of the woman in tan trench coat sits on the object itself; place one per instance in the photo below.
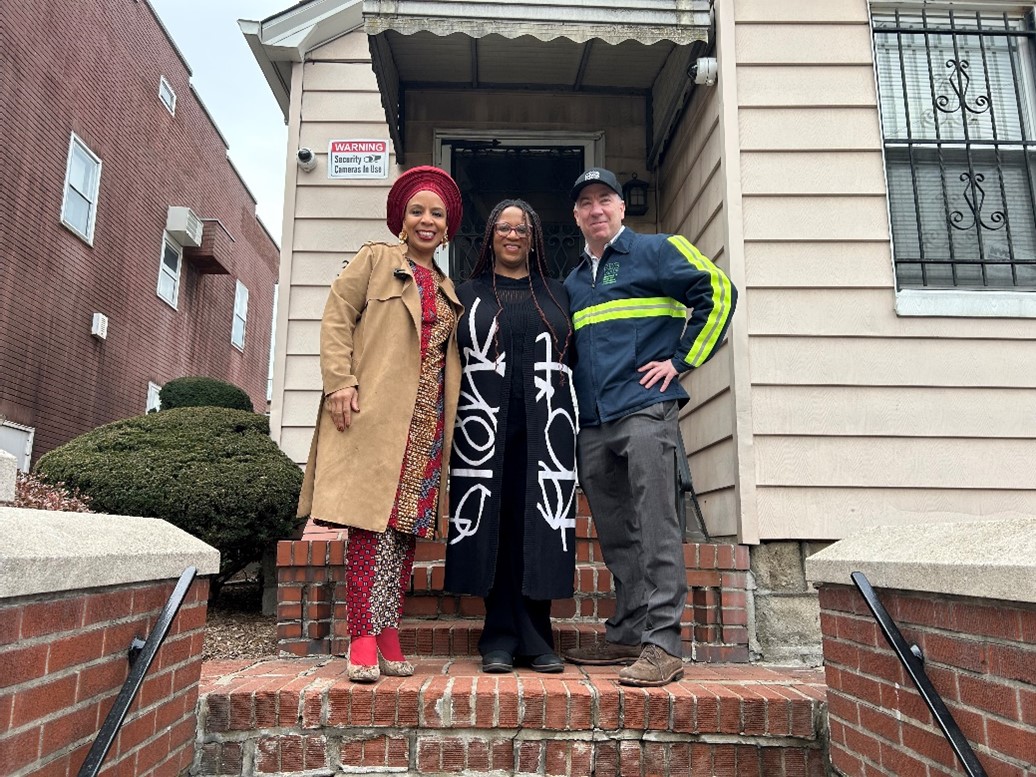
(391, 376)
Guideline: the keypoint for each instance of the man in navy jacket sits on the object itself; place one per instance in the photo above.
(630, 296)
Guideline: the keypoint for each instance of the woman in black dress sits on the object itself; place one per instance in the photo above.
(512, 471)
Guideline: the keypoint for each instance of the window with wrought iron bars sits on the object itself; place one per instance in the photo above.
(956, 93)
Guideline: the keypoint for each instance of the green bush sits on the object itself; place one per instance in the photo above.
(203, 392)
(214, 472)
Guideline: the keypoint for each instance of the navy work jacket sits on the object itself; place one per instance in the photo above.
(635, 312)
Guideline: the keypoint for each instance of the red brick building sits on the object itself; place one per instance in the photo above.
(116, 198)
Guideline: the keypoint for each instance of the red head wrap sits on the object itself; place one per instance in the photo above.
(419, 179)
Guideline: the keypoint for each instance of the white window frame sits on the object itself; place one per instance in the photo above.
(163, 271)
(240, 320)
(154, 401)
(76, 143)
(26, 455)
(963, 302)
(273, 344)
(167, 95)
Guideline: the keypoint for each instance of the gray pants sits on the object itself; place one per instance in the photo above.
(628, 472)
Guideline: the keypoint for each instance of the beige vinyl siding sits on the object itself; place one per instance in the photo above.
(327, 221)
(859, 417)
(691, 190)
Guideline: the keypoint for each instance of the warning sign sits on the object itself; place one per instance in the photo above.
(357, 159)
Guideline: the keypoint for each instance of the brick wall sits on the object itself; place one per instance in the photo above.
(94, 69)
(63, 660)
(311, 578)
(980, 655)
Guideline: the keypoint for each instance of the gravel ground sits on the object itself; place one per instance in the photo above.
(236, 628)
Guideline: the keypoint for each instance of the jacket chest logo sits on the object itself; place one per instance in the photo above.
(610, 273)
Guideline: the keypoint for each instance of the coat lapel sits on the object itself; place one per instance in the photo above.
(411, 296)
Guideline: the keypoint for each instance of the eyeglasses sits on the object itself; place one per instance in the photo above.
(502, 229)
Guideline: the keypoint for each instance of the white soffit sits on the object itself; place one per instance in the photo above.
(645, 21)
(279, 40)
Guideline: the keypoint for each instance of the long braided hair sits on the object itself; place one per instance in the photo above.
(486, 263)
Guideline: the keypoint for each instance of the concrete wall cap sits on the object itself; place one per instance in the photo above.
(43, 551)
(8, 476)
(993, 559)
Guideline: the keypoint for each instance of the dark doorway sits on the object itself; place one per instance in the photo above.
(488, 172)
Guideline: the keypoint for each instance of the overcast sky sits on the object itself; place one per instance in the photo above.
(228, 79)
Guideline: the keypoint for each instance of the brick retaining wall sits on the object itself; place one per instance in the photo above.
(63, 660)
(964, 593)
(980, 655)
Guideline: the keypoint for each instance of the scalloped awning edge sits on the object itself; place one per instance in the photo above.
(581, 32)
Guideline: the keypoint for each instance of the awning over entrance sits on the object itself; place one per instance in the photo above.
(647, 22)
(642, 49)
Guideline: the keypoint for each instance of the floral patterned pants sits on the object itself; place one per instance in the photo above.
(378, 567)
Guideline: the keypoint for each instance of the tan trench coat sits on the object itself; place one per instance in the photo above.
(370, 337)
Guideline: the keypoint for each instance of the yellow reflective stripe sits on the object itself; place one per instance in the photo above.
(635, 307)
(706, 341)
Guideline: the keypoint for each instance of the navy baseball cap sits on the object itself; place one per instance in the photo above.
(596, 175)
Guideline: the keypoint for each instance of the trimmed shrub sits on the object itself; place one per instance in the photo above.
(203, 392)
(214, 472)
(32, 492)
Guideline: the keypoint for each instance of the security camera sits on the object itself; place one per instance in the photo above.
(306, 158)
(704, 71)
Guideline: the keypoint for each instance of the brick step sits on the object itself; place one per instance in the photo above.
(311, 575)
(591, 578)
(303, 717)
(459, 637)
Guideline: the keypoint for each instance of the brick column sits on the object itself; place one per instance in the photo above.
(308, 572)
(716, 612)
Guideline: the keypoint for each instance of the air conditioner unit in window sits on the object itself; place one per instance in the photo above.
(184, 227)
(99, 326)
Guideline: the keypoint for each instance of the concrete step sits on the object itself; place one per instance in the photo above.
(303, 717)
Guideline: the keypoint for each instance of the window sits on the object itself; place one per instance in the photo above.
(82, 181)
(237, 332)
(169, 271)
(956, 98)
(154, 402)
(17, 440)
(167, 95)
(273, 341)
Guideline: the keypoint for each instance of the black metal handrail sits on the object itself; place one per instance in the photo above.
(913, 661)
(684, 485)
(141, 655)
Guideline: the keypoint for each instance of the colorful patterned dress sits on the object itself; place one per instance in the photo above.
(379, 564)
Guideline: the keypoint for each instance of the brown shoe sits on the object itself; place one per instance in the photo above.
(604, 653)
(654, 667)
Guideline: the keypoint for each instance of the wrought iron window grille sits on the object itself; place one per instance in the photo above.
(958, 111)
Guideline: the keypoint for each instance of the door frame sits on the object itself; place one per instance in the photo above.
(442, 153)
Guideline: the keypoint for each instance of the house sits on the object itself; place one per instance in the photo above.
(861, 170)
(130, 252)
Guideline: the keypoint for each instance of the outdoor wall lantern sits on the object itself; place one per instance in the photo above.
(634, 192)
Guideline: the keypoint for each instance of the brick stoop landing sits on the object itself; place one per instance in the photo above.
(301, 716)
